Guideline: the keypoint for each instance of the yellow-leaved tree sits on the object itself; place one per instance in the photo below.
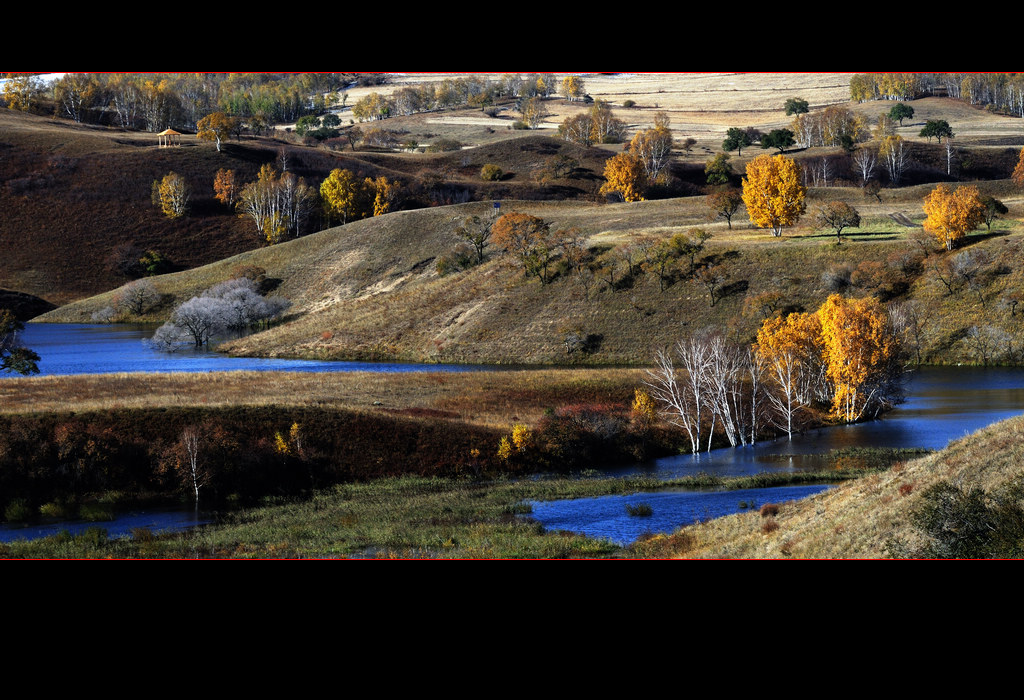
(1018, 170)
(862, 356)
(174, 193)
(340, 193)
(952, 214)
(773, 193)
(216, 127)
(789, 352)
(625, 177)
(225, 186)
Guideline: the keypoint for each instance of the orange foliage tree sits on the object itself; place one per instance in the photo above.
(1018, 171)
(952, 214)
(225, 187)
(789, 352)
(862, 356)
(625, 177)
(530, 240)
(773, 193)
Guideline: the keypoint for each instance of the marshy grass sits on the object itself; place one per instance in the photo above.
(639, 510)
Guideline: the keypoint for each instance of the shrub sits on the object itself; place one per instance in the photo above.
(639, 510)
(17, 510)
(769, 510)
(491, 173)
(769, 526)
(837, 279)
(442, 145)
(629, 104)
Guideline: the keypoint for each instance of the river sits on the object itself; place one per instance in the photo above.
(66, 348)
(943, 404)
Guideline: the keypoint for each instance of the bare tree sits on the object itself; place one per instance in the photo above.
(865, 160)
(135, 297)
(191, 468)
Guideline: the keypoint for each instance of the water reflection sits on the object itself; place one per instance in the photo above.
(944, 404)
(109, 348)
(605, 517)
(120, 526)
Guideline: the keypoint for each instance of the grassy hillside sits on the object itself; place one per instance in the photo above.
(865, 518)
(371, 289)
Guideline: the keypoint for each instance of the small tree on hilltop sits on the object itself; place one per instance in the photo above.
(901, 111)
(216, 127)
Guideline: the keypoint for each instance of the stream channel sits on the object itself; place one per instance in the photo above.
(943, 404)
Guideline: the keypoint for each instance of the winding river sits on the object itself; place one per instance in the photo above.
(943, 404)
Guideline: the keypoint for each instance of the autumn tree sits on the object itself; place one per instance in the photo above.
(573, 88)
(625, 177)
(225, 187)
(384, 193)
(723, 204)
(837, 216)
(607, 128)
(276, 204)
(773, 193)
(862, 355)
(952, 214)
(893, 154)
(1018, 170)
(15, 357)
(578, 129)
(21, 91)
(865, 160)
(533, 112)
(75, 93)
(476, 231)
(341, 193)
(216, 127)
(653, 147)
(788, 350)
(530, 240)
(174, 193)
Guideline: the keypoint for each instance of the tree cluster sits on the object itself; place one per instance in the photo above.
(277, 204)
(346, 197)
(234, 306)
(846, 359)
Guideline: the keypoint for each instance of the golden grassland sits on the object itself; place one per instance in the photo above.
(492, 399)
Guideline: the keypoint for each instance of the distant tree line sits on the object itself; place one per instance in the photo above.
(156, 101)
(1003, 92)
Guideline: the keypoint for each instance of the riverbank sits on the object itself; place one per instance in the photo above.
(402, 517)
